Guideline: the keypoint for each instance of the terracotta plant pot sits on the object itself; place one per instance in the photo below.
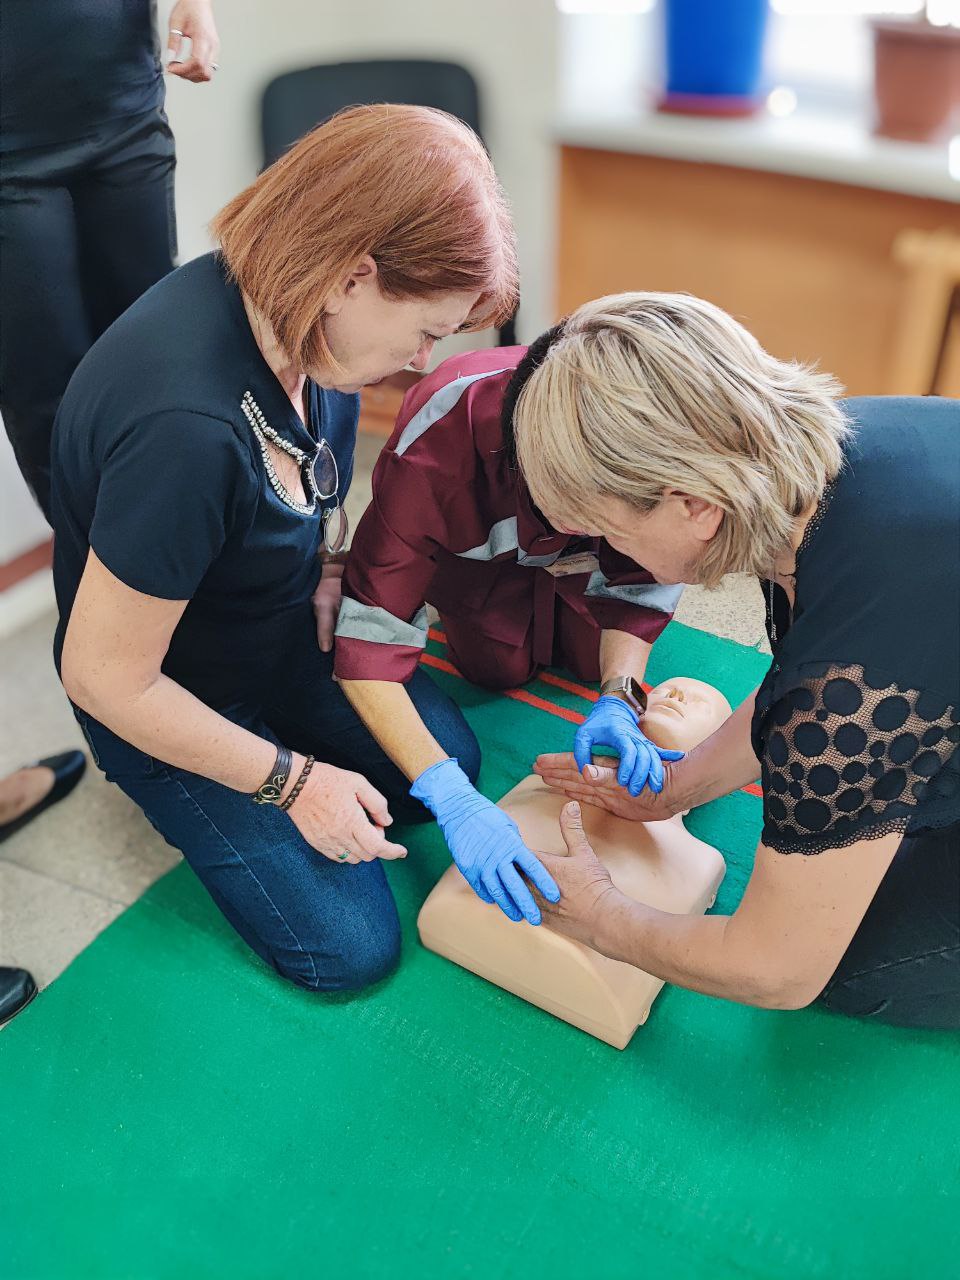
(916, 79)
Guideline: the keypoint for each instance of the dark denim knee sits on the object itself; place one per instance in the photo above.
(466, 751)
(360, 960)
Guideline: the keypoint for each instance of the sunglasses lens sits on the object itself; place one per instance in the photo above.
(325, 472)
(335, 529)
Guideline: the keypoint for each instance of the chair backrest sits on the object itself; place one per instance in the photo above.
(297, 101)
(928, 310)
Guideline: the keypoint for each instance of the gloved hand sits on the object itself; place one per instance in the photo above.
(614, 724)
(485, 843)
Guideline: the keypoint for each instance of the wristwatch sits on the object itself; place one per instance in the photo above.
(628, 690)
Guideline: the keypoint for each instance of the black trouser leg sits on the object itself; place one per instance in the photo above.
(44, 329)
(85, 228)
(903, 965)
(126, 225)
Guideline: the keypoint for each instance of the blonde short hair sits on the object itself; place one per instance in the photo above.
(641, 393)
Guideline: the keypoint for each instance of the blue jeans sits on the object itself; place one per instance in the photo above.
(324, 925)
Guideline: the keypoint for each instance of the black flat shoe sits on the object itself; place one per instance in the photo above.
(17, 989)
(68, 769)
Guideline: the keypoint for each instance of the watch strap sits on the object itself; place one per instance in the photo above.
(628, 690)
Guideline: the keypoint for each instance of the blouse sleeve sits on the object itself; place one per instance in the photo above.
(167, 500)
(849, 755)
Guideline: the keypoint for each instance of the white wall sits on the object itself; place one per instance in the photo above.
(21, 524)
(509, 45)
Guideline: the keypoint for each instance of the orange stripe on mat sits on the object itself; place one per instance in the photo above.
(531, 699)
(545, 677)
(518, 695)
(559, 682)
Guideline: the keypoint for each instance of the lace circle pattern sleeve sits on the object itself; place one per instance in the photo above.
(850, 755)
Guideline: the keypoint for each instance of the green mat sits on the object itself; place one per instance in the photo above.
(172, 1109)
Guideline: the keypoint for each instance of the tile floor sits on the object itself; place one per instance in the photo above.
(64, 878)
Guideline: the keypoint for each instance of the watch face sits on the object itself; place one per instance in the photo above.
(629, 689)
(635, 690)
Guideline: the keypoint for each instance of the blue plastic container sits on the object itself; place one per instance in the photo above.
(715, 48)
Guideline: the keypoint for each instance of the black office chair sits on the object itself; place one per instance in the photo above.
(297, 101)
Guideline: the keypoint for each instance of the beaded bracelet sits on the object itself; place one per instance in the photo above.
(299, 784)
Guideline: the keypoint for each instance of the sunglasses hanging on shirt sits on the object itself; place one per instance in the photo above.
(320, 473)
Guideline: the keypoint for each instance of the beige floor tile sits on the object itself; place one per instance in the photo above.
(733, 610)
(96, 840)
(36, 719)
(44, 923)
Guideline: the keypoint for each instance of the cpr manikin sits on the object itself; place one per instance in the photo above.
(658, 863)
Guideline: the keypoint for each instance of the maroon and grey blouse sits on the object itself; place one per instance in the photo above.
(452, 523)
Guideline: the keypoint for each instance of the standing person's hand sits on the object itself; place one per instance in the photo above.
(193, 20)
(341, 815)
(326, 604)
(485, 843)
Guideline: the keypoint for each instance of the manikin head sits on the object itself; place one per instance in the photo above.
(682, 712)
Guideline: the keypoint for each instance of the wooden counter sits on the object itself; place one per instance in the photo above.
(804, 263)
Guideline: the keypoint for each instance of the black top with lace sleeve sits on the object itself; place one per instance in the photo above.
(856, 722)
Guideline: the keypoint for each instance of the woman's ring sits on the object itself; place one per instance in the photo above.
(342, 857)
(175, 32)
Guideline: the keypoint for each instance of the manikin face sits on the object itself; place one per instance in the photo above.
(682, 712)
(373, 336)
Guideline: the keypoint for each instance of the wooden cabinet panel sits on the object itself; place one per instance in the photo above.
(380, 404)
(806, 265)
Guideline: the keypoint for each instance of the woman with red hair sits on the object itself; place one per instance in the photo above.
(201, 456)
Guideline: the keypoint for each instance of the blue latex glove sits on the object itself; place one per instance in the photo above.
(485, 843)
(613, 724)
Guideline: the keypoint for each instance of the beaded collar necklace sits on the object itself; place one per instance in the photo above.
(306, 462)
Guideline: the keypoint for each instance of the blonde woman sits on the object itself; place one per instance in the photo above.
(658, 423)
(200, 460)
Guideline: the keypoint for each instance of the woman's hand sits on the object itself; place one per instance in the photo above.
(586, 890)
(339, 812)
(326, 604)
(485, 843)
(193, 20)
(598, 785)
(612, 723)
